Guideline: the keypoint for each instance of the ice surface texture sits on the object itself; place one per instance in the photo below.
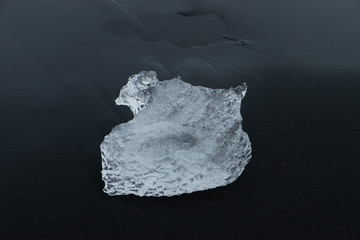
(182, 139)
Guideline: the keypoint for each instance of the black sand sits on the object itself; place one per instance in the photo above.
(62, 64)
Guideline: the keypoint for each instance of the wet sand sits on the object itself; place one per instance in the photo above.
(62, 64)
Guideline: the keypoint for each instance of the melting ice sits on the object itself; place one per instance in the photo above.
(182, 139)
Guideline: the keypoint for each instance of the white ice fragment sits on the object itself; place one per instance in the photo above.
(135, 93)
(182, 139)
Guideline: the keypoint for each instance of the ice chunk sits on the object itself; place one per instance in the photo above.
(182, 139)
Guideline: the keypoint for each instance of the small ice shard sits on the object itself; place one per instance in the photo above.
(182, 139)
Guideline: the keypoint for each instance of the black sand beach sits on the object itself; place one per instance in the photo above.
(62, 64)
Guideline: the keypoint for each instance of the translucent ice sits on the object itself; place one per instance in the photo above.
(182, 139)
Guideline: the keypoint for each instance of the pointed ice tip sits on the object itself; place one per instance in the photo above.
(241, 90)
(118, 101)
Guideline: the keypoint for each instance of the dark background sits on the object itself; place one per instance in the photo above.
(62, 64)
